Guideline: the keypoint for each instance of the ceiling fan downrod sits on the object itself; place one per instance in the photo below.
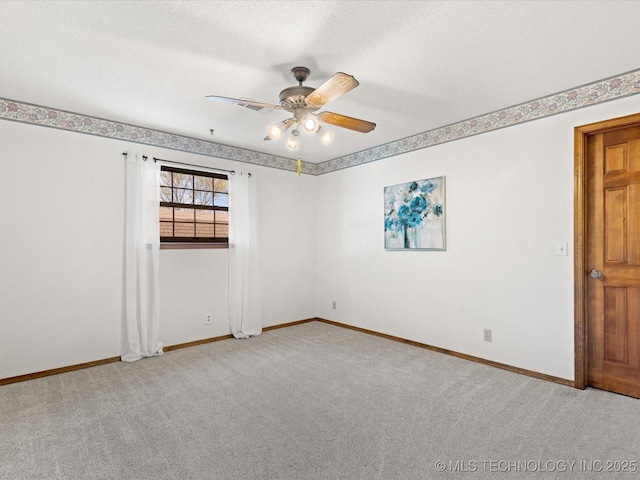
(300, 74)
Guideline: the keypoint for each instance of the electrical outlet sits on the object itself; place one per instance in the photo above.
(487, 335)
(334, 305)
(208, 318)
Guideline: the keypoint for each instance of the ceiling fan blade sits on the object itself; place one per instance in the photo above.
(336, 86)
(283, 127)
(244, 103)
(346, 122)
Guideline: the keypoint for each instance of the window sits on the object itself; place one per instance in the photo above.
(194, 207)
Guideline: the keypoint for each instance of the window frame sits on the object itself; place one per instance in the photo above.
(173, 242)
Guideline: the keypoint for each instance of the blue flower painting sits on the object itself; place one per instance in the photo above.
(414, 215)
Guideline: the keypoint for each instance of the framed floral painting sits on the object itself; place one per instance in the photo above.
(414, 215)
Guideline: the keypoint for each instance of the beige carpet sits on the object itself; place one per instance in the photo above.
(312, 401)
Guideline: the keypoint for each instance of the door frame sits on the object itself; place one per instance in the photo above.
(580, 269)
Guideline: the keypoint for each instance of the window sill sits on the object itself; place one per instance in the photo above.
(191, 246)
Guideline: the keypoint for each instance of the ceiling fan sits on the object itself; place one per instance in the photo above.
(303, 102)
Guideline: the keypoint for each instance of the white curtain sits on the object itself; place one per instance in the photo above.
(245, 309)
(141, 320)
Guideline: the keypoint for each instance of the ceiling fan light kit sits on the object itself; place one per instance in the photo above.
(310, 124)
(326, 138)
(292, 142)
(303, 102)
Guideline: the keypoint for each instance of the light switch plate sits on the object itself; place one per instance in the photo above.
(561, 249)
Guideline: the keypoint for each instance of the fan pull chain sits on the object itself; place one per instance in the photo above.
(299, 166)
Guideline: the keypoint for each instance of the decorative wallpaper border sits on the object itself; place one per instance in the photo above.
(612, 88)
(60, 119)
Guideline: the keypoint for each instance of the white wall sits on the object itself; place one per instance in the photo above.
(61, 251)
(509, 200)
(61, 248)
(509, 197)
(194, 282)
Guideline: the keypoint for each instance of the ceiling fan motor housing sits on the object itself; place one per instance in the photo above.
(294, 97)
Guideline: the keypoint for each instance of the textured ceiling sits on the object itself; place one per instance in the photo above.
(420, 64)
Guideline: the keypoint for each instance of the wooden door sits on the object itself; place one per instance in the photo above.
(612, 260)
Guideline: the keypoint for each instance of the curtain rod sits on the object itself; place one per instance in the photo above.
(144, 157)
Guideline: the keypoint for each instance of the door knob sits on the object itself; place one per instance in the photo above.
(595, 274)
